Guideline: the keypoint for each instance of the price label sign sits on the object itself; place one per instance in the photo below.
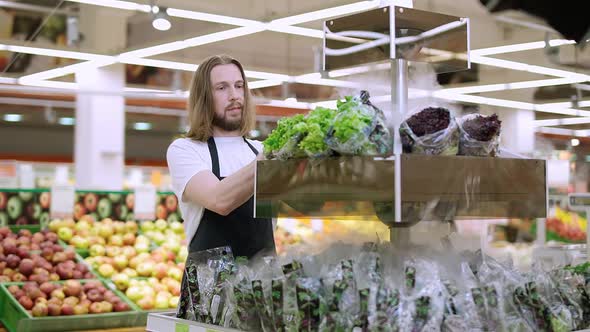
(62, 202)
(579, 201)
(145, 202)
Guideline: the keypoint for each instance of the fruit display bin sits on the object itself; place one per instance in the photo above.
(16, 318)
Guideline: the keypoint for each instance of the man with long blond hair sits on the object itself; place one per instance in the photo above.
(212, 168)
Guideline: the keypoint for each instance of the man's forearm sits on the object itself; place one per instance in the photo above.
(235, 190)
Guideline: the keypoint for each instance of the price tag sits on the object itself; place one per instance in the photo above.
(145, 202)
(62, 201)
(579, 201)
(180, 327)
(8, 176)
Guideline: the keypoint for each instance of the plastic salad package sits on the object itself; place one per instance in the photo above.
(359, 128)
(431, 131)
(480, 135)
(202, 291)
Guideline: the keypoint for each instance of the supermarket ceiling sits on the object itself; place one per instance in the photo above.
(279, 42)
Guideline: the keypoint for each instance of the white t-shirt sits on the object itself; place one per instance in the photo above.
(187, 157)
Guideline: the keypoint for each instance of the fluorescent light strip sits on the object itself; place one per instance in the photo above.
(52, 52)
(66, 70)
(562, 122)
(328, 13)
(263, 84)
(514, 85)
(127, 5)
(526, 67)
(192, 42)
(200, 16)
(266, 76)
(484, 100)
(520, 47)
(316, 79)
(158, 63)
(306, 32)
(564, 132)
(8, 80)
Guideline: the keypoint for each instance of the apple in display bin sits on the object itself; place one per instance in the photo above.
(49, 299)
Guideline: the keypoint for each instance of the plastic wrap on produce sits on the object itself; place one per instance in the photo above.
(376, 288)
(359, 128)
(203, 285)
(479, 135)
(431, 131)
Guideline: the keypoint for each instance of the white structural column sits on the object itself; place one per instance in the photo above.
(99, 148)
(518, 131)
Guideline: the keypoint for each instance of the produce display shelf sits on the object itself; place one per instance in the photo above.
(462, 187)
(164, 322)
(16, 318)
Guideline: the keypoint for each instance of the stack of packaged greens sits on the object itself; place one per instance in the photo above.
(376, 288)
(355, 128)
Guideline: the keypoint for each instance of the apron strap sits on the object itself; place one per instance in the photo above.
(250, 145)
(214, 156)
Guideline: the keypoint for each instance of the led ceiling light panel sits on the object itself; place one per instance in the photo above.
(127, 5)
(520, 47)
(52, 52)
(562, 122)
(514, 85)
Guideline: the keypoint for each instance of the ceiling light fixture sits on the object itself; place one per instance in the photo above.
(142, 126)
(161, 20)
(13, 117)
(66, 121)
(575, 142)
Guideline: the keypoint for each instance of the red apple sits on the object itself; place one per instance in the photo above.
(72, 288)
(26, 302)
(67, 309)
(40, 310)
(54, 309)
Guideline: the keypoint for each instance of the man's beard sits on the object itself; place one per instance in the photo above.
(227, 125)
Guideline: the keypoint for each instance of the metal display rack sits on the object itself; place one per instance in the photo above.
(402, 189)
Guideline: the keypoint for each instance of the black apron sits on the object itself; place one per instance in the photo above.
(245, 234)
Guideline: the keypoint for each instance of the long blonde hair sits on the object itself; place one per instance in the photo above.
(201, 109)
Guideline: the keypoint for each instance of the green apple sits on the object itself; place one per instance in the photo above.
(130, 272)
(142, 247)
(172, 245)
(79, 242)
(173, 301)
(105, 230)
(183, 253)
(121, 262)
(65, 234)
(116, 240)
(106, 270)
(175, 273)
(121, 280)
(161, 225)
(145, 269)
(159, 238)
(119, 227)
(113, 251)
(177, 227)
(97, 250)
(82, 225)
(142, 239)
(147, 226)
(131, 227)
(134, 293)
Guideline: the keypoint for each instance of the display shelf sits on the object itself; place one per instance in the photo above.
(432, 187)
(160, 322)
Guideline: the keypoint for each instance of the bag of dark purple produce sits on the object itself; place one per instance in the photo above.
(480, 135)
(432, 131)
